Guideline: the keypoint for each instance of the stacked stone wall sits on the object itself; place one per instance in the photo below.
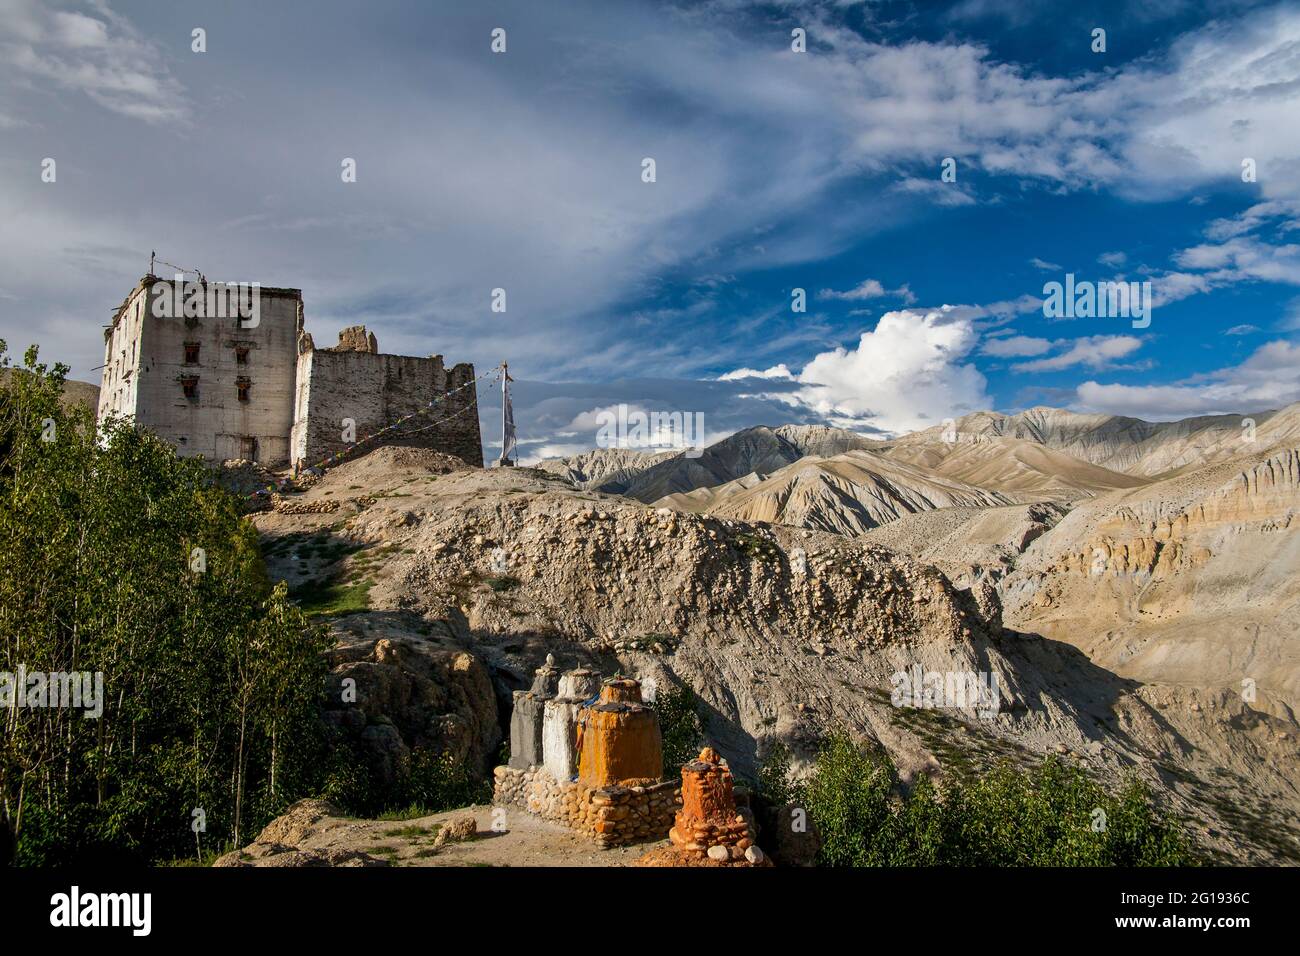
(612, 816)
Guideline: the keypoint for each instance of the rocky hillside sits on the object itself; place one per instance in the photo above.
(1013, 466)
(1190, 581)
(1043, 454)
(784, 633)
(860, 490)
(847, 494)
(74, 392)
(608, 469)
(754, 451)
(1187, 585)
(970, 544)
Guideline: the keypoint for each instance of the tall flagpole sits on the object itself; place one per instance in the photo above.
(507, 419)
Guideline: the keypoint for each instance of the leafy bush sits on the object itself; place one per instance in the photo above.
(776, 785)
(1054, 815)
(428, 781)
(680, 724)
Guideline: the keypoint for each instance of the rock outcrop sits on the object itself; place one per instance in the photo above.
(282, 842)
(397, 684)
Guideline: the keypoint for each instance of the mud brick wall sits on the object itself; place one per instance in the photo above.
(611, 816)
(376, 389)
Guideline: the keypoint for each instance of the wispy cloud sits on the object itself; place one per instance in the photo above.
(869, 289)
(99, 54)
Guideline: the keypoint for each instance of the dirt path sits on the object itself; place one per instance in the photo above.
(304, 838)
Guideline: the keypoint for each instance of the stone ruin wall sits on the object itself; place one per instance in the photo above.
(374, 389)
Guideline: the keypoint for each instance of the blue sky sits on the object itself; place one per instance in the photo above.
(775, 170)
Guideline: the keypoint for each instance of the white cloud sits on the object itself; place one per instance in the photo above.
(1245, 257)
(1175, 286)
(936, 191)
(1096, 351)
(106, 59)
(539, 189)
(1235, 254)
(1043, 264)
(908, 373)
(994, 314)
(1253, 218)
(78, 30)
(1291, 321)
(1244, 329)
(1223, 93)
(1270, 378)
(1113, 259)
(776, 371)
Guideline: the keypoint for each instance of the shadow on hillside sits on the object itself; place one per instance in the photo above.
(1047, 666)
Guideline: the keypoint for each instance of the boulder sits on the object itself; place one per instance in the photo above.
(456, 831)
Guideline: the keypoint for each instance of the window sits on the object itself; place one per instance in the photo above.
(190, 386)
(243, 385)
(191, 353)
(241, 354)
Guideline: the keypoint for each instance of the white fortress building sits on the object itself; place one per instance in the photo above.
(225, 386)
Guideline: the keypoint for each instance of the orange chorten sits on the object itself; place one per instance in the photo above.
(708, 816)
(618, 738)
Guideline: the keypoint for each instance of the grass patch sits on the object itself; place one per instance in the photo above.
(755, 546)
(209, 857)
(408, 833)
(330, 599)
(413, 812)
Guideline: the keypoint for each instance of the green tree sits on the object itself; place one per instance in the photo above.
(120, 558)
